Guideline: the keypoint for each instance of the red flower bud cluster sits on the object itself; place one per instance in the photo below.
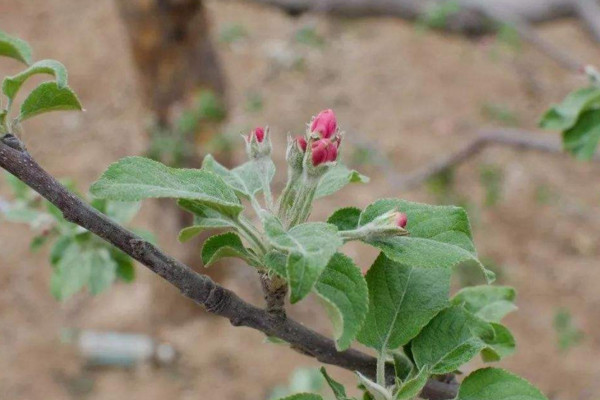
(400, 219)
(324, 149)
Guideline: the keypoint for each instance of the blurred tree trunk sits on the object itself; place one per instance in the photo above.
(172, 50)
(175, 61)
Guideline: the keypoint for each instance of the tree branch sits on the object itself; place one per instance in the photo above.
(507, 137)
(589, 12)
(200, 288)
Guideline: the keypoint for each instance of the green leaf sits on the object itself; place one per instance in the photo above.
(12, 84)
(412, 387)
(490, 303)
(138, 178)
(376, 391)
(497, 384)
(303, 396)
(338, 389)
(103, 271)
(500, 346)
(125, 267)
(276, 262)
(3, 127)
(336, 178)
(308, 246)
(344, 292)
(403, 366)
(582, 139)
(48, 96)
(402, 300)
(71, 273)
(221, 246)
(345, 219)
(246, 179)
(122, 211)
(440, 236)
(16, 48)
(205, 218)
(565, 115)
(58, 249)
(450, 340)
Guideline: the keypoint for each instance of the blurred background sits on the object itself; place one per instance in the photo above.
(178, 79)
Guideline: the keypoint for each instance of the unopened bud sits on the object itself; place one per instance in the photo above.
(324, 150)
(324, 124)
(258, 143)
(400, 219)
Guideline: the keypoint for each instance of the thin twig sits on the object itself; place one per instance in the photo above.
(200, 288)
(507, 137)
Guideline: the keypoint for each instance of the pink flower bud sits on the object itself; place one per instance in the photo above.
(301, 143)
(324, 124)
(259, 133)
(400, 219)
(324, 150)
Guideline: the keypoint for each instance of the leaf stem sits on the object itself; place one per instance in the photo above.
(381, 369)
(250, 232)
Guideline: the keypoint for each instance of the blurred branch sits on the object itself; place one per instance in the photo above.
(506, 137)
(473, 17)
(589, 13)
(198, 287)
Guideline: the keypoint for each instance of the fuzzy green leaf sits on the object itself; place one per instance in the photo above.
(12, 84)
(565, 115)
(103, 271)
(303, 396)
(490, 303)
(247, 179)
(71, 273)
(412, 387)
(48, 96)
(450, 340)
(338, 389)
(205, 218)
(344, 291)
(138, 178)
(582, 139)
(345, 219)
(221, 246)
(497, 384)
(16, 48)
(308, 247)
(440, 236)
(500, 346)
(336, 178)
(402, 300)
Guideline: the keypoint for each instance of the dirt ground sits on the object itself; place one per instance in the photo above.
(412, 94)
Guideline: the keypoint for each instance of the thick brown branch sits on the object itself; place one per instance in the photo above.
(507, 137)
(200, 288)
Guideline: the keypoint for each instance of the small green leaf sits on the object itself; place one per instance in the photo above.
(71, 273)
(138, 178)
(402, 300)
(338, 389)
(12, 84)
(439, 236)
(565, 115)
(308, 246)
(3, 127)
(582, 139)
(377, 391)
(221, 246)
(497, 384)
(48, 96)
(303, 396)
(500, 346)
(205, 218)
(403, 366)
(58, 249)
(16, 48)
(247, 179)
(125, 267)
(412, 387)
(450, 340)
(122, 211)
(345, 219)
(103, 271)
(344, 292)
(336, 178)
(490, 303)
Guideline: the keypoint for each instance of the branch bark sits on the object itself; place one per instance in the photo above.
(200, 288)
(507, 137)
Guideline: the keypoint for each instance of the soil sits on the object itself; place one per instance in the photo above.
(411, 94)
